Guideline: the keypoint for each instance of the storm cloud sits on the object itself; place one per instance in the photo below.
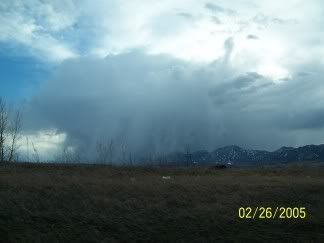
(159, 104)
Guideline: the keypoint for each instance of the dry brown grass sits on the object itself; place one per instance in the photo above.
(61, 203)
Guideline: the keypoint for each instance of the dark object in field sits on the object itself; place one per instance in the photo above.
(218, 167)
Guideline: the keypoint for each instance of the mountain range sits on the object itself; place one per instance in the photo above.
(235, 155)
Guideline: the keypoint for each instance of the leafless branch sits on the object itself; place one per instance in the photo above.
(3, 128)
(36, 154)
(14, 134)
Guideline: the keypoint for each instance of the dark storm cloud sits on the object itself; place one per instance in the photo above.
(312, 119)
(233, 90)
(303, 74)
(247, 78)
(161, 104)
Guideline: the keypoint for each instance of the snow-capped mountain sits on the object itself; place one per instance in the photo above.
(236, 155)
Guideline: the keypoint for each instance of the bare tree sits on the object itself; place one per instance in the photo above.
(123, 148)
(188, 155)
(68, 155)
(105, 150)
(130, 157)
(27, 146)
(36, 154)
(10, 127)
(3, 128)
(162, 159)
(14, 131)
(111, 150)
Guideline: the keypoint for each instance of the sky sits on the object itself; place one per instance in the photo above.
(159, 76)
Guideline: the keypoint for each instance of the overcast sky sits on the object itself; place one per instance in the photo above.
(162, 75)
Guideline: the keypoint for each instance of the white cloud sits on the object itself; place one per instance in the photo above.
(52, 29)
(34, 25)
(44, 144)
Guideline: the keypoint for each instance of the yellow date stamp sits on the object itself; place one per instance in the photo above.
(272, 213)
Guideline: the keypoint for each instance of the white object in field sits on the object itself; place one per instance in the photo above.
(166, 177)
(229, 163)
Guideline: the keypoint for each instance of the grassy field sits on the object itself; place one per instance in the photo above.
(62, 203)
